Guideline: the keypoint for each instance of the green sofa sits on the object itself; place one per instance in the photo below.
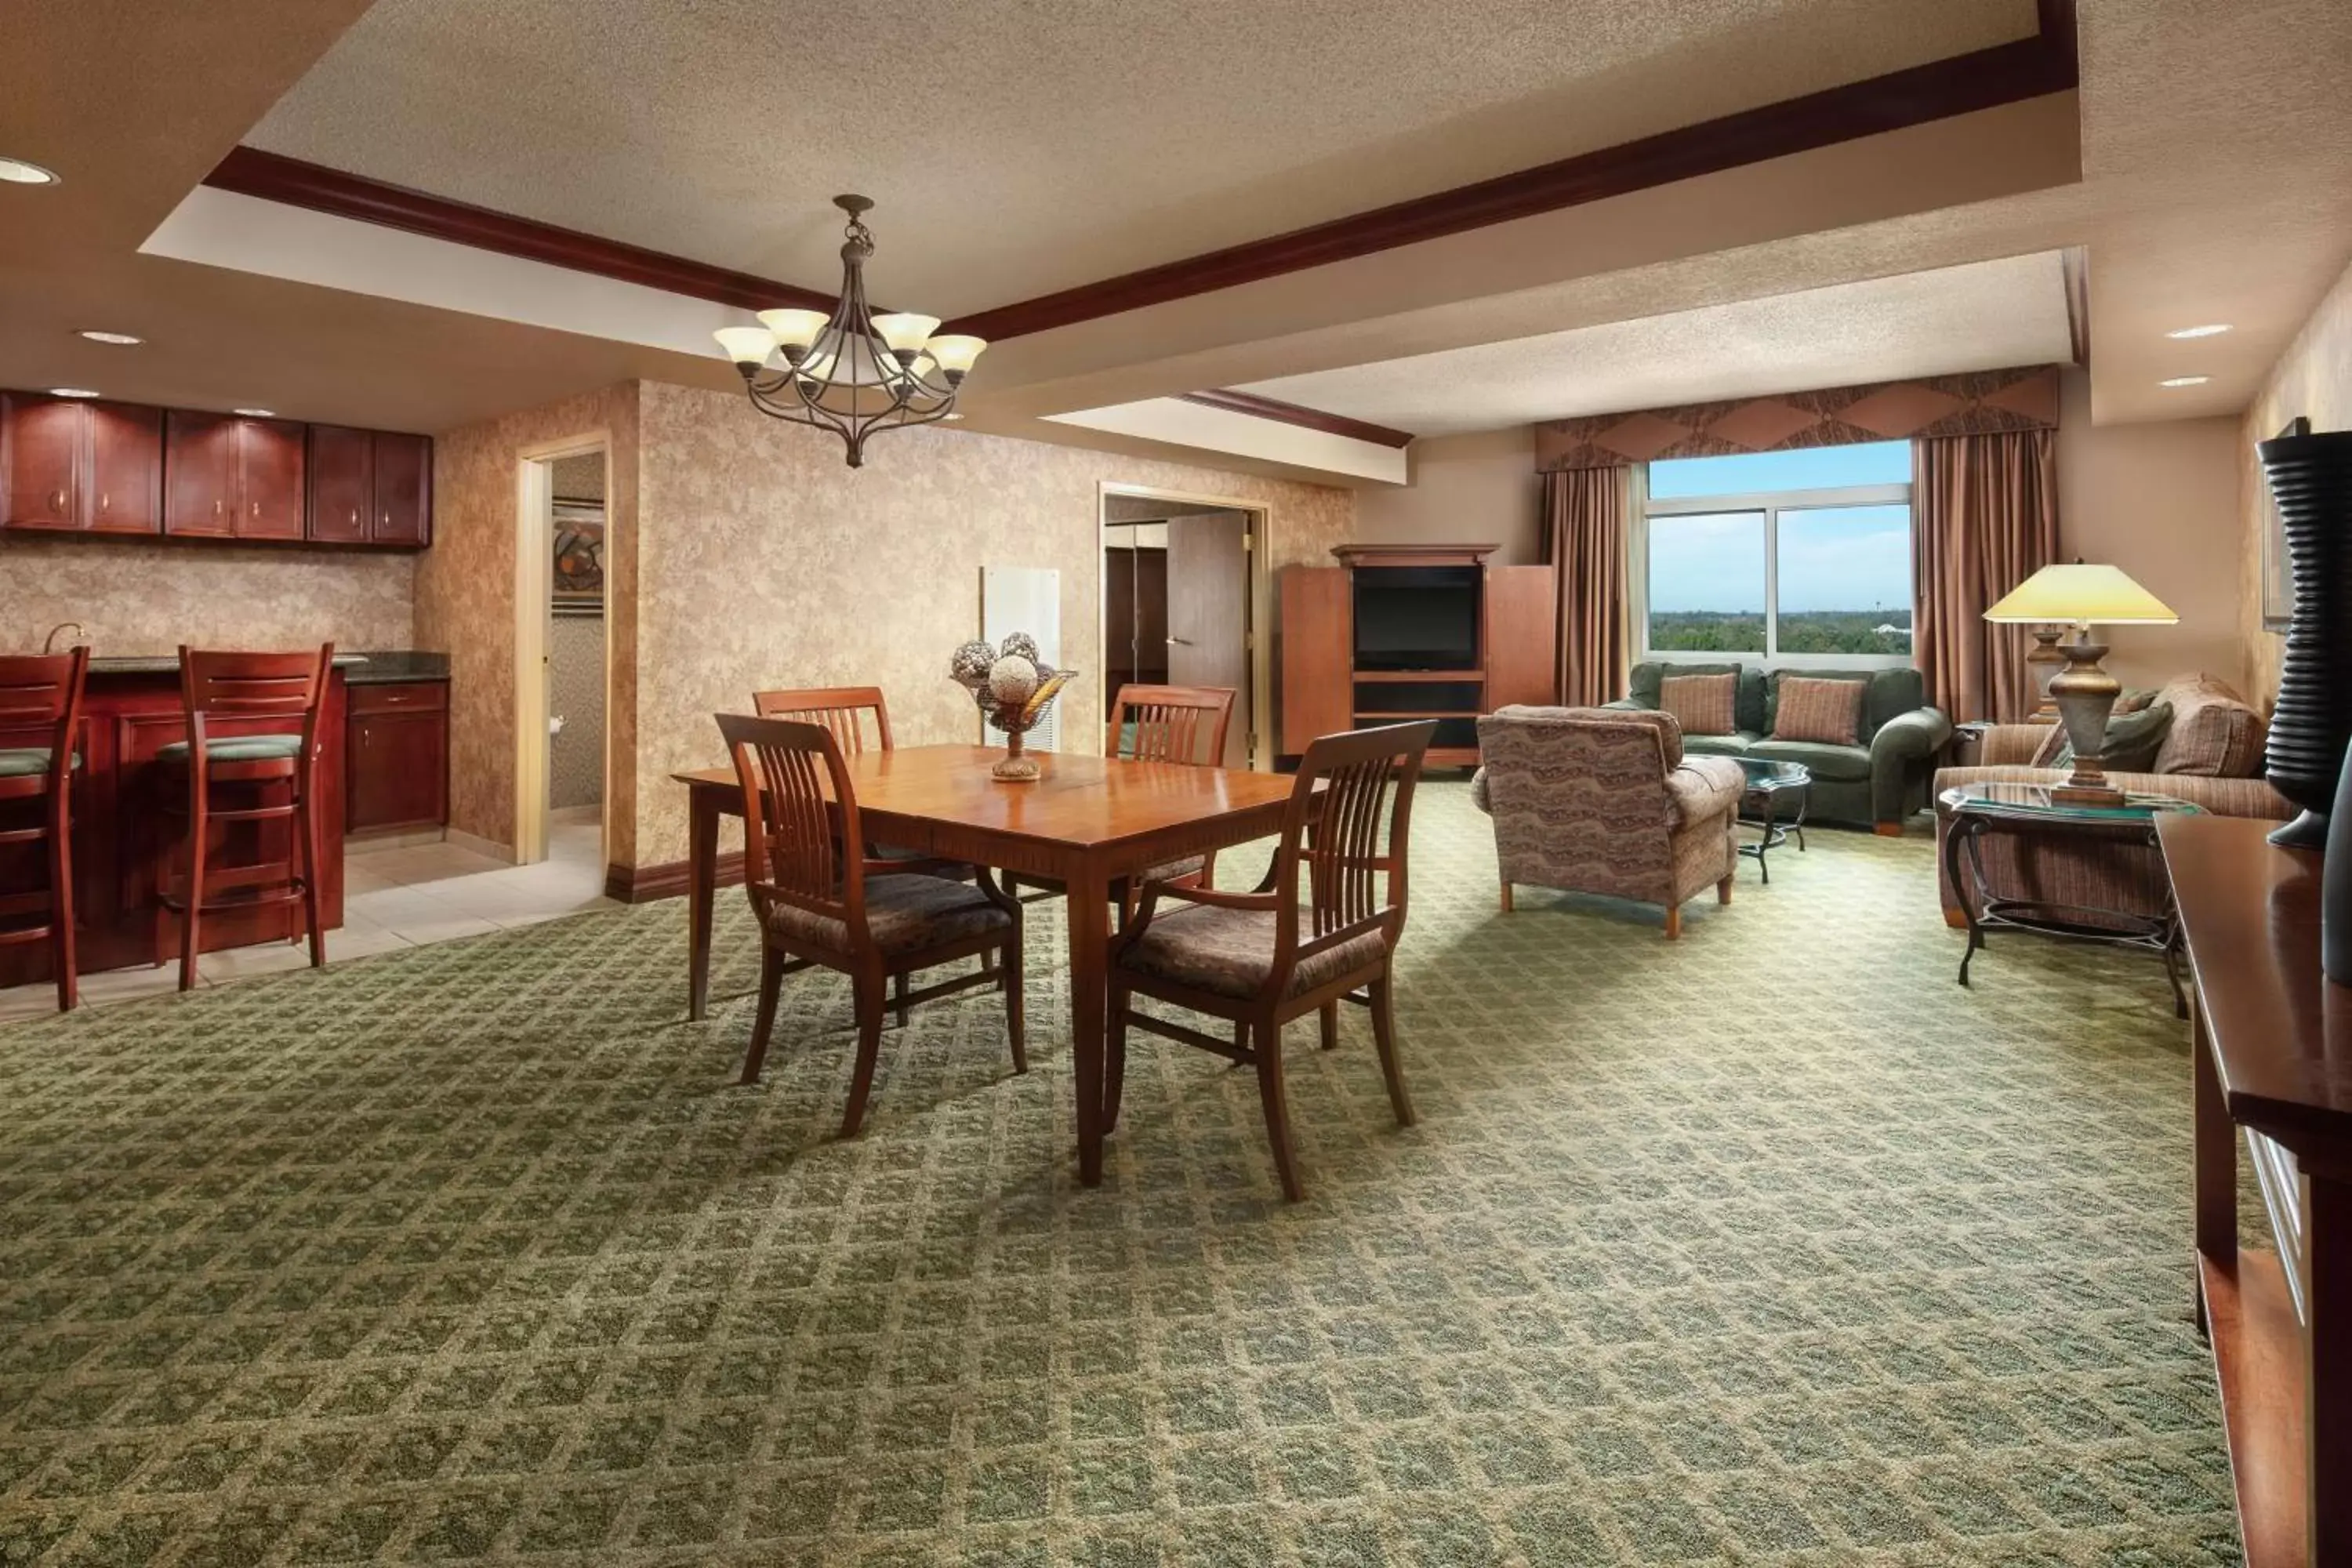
(1877, 784)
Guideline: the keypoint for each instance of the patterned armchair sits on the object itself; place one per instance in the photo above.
(1595, 800)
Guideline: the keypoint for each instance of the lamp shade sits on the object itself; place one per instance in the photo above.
(746, 345)
(2081, 595)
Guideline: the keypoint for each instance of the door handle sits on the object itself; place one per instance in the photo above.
(1181, 642)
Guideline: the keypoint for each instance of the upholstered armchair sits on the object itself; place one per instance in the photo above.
(1597, 800)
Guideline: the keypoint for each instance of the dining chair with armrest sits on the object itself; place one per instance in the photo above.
(820, 905)
(1261, 959)
(40, 711)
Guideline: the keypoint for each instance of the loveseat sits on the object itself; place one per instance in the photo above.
(2210, 755)
(1877, 781)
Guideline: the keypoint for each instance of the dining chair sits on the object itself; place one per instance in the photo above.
(286, 691)
(1260, 959)
(40, 713)
(866, 918)
(1183, 724)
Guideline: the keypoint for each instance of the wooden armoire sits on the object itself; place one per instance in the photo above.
(1414, 631)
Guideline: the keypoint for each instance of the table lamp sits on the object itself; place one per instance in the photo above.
(2077, 596)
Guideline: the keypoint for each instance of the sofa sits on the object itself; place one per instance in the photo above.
(1876, 783)
(2210, 755)
(1595, 800)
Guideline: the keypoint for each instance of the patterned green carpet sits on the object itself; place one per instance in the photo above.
(1770, 1246)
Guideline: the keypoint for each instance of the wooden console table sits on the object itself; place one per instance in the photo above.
(2272, 1049)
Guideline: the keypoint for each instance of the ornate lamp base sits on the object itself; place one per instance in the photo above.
(2086, 694)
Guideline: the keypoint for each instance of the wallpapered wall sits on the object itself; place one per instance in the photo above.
(465, 594)
(136, 597)
(2313, 379)
(766, 561)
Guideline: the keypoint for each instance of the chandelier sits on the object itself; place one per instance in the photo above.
(852, 372)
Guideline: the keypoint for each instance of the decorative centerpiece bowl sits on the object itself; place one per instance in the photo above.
(1014, 688)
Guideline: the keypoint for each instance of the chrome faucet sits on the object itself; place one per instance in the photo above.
(49, 643)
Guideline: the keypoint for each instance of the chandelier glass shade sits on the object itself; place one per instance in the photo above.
(851, 372)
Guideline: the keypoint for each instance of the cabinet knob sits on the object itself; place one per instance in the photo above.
(104, 500)
(56, 501)
(257, 509)
(217, 508)
(355, 517)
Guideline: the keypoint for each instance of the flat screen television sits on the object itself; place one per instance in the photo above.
(1416, 617)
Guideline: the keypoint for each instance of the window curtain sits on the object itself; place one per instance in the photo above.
(1587, 516)
(1984, 517)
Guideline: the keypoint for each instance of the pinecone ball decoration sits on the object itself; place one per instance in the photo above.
(1011, 679)
(970, 664)
(1020, 645)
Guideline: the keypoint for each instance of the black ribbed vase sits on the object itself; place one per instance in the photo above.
(2311, 477)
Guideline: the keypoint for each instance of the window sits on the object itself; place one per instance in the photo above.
(1800, 556)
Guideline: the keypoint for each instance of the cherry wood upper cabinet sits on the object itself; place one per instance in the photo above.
(200, 461)
(403, 489)
(271, 463)
(40, 453)
(343, 483)
(233, 478)
(77, 464)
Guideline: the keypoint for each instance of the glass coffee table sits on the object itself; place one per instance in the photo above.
(1974, 810)
(1774, 801)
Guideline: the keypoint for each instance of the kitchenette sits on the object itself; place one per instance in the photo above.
(134, 530)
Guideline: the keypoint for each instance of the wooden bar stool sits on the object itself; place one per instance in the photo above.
(285, 692)
(40, 711)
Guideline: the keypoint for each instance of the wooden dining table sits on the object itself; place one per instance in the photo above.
(1085, 822)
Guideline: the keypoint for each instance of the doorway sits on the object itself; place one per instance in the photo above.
(562, 656)
(1180, 600)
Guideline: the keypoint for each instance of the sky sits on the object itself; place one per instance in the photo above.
(1849, 558)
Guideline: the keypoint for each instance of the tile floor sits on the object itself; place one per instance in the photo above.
(391, 899)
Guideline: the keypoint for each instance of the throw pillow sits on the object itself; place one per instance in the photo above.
(2132, 741)
(2138, 699)
(1701, 704)
(1826, 711)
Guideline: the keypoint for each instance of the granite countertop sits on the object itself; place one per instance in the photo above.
(379, 668)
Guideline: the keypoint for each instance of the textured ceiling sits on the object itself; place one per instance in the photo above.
(1983, 316)
(1019, 149)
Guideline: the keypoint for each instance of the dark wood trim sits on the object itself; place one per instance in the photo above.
(666, 878)
(1306, 418)
(1983, 79)
(250, 172)
(1963, 84)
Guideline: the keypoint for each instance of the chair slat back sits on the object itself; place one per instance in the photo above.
(1349, 821)
(40, 698)
(838, 708)
(254, 685)
(793, 776)
(1168, 723)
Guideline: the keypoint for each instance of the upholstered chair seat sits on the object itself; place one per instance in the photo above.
(904, 914)
(29, 761)
(1231, 952)
(238, 748)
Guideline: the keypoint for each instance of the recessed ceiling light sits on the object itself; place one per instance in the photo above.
(2211, 330)
(2184, 381)
(255, 413)
(17, 172)
(71, 392)
(119, 340)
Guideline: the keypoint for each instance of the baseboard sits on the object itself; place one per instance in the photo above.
(373, 840)
(480, 845)
(666, 878)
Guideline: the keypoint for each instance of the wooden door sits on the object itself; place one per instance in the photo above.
(342, 478)
(125, 493)
(1118, 622)
(399, 771)
(1151, 614)
(40, 453)
(403, 489)
(1522, 631)
(1318, 658)
(271, 494)
(200, 471)
(1208, 614)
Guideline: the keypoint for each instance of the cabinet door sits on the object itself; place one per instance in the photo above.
(200, 464)
(1318, 693)
(125, 493)
(270, 491)
(399, 771)
(343, 483)
(1522, 615)
(403, 489)
(40, 453)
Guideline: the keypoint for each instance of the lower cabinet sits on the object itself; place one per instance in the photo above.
(398, 756)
